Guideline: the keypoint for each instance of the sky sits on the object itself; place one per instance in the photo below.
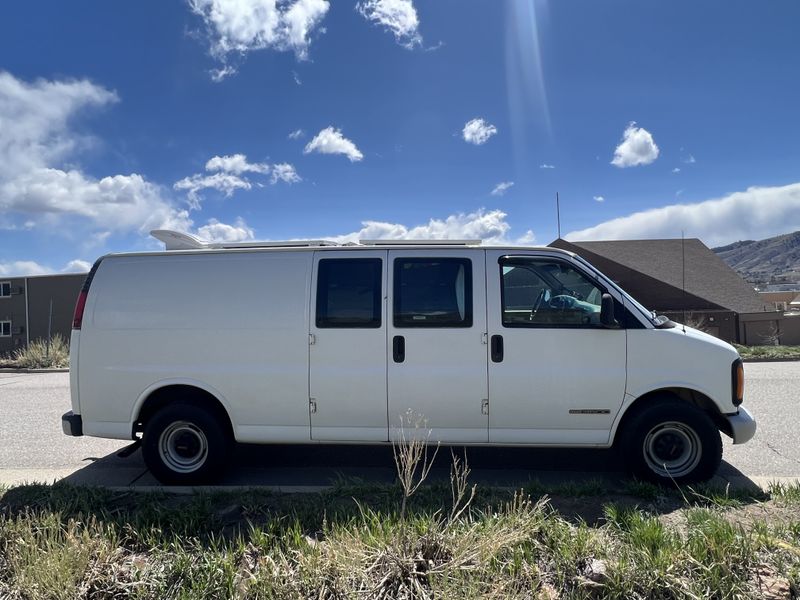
(359, 119)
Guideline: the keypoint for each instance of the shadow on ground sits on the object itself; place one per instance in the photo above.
(292, 467)
(363, 480)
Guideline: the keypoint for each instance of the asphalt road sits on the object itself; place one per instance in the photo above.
(33, 448)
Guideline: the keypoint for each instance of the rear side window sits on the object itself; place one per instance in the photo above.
(432, 292)
(349, 293)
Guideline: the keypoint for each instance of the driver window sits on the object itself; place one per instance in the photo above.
(547, 293)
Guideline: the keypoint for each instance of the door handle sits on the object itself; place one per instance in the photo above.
(399, 348)
(497, 348)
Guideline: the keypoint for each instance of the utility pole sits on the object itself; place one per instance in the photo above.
(558, 215)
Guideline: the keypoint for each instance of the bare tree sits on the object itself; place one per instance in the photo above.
(411, 456)
(773, 335)
(696, 321)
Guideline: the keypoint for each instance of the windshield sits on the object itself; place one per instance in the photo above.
(648, 314)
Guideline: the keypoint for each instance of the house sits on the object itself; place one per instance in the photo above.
(789, 300)
(707, 293)
(32, 307)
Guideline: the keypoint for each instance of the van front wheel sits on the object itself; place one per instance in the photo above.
(184, 445)
(672, 441)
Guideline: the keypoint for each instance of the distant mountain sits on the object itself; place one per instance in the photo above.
(774, 260)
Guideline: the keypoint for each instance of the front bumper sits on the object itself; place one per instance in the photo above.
(742, 426)
(72, 424)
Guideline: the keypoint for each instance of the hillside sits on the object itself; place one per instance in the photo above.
(774, 259)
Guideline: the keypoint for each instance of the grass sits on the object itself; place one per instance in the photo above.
(40, 354)
(773, 352)
(352, 541)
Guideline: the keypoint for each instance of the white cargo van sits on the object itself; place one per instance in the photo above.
(203, 344)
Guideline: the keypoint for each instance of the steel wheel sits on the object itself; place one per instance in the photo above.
(183, 447)
(672, 449)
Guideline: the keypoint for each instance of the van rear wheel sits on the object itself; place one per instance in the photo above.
(184, 445)
(671, 441)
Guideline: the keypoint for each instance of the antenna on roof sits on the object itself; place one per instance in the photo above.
(558, 215)
(683, 277)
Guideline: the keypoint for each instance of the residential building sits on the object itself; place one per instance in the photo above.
(33, 307)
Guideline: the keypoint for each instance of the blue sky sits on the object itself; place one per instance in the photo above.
(648, 118)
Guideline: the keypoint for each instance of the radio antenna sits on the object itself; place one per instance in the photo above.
(683, 277)
(558, 215)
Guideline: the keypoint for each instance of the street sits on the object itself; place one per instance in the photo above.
(33, 447)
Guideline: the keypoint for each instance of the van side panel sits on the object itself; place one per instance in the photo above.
(235, 323)
(672, 358)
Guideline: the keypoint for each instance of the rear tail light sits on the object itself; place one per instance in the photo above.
(80, 305)
(77, 318)
(737, 382)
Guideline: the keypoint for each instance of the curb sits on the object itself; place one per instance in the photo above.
(8, 370)
(758, 360)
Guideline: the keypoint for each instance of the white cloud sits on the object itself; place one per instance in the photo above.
(676, 170)
(478, 131)
(36, 145)
(491, 227)
(501, 188)
(77, 266)
(215, 231)
(689, 160)
(227, 176)
(756, 213)
(546, 166)
(30, 268)
(636, 148)
(598, 198)
(236, 164)
(120, 202)
(331, 141)
(296, 134)
(284, 172)
(224, 183)
(528, 239)
(397, 16)
(236, 27)
(22, 268)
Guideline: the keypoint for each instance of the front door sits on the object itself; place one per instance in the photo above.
(556, 375)
(438, 383)
(347, 346)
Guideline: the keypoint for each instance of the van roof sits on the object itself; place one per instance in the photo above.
(178, 240)
(184, 243)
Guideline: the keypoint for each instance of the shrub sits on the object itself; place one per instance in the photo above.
(40, 354)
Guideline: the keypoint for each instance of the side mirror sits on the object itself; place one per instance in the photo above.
(607, 312)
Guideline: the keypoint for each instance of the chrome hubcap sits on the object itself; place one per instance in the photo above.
(183, 447)
(672, 449)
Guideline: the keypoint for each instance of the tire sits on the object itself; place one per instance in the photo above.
(185, 445)
(670, 441)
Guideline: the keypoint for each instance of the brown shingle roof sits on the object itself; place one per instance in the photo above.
(707, 275)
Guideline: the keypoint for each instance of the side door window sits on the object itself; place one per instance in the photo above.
(349, 293)
(547, 293)
(432, 292)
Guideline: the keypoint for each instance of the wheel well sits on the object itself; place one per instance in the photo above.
(185, 394)
(694, 397)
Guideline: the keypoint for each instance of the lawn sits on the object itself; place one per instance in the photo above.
(363, 541)
(771, 352)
